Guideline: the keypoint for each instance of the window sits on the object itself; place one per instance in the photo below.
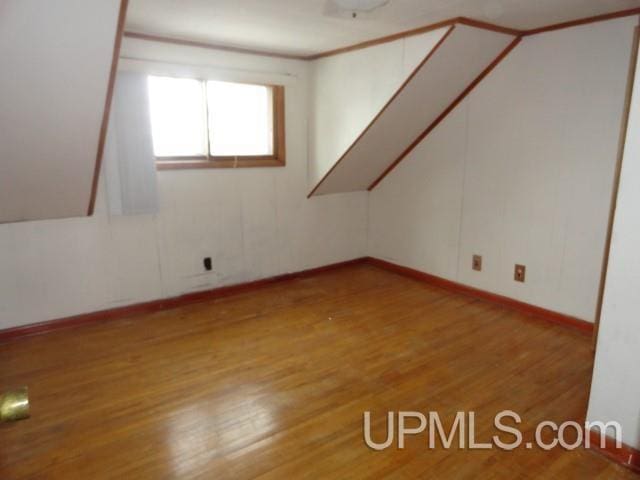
(206, 123)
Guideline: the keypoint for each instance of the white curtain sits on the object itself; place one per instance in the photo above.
(130, 170)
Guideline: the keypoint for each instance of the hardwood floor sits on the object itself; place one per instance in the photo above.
(273, 383)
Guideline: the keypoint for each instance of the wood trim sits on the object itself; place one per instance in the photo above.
(470, 22)
(220, 162)
(616, 180)
(625, 455)
(402, 87)
(542, 313)
(583, 21)
(212, 46)
(165, 303)
(107, 104)
(417, 31)
(446, 112)
(388, 38)
(474, 23)
(328, 53)
(207, 295)
(279, 125)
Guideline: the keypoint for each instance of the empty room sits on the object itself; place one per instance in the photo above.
(319, 239)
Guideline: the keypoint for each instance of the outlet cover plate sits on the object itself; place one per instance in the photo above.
(520, 273)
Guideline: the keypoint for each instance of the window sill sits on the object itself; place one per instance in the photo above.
(219, 162)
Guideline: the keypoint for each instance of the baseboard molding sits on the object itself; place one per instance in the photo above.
(625, 455)
(196, 297)
(164, 303)
(527, 308)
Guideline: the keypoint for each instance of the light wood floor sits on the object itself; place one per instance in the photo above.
(273, 384)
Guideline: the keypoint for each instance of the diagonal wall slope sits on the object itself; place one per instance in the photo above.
(350, 88)
(55, 82)
(456, 64)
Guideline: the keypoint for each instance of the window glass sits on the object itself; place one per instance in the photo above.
(240, 119)
(178, 117)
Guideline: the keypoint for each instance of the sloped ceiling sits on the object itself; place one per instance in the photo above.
(56, 67)
(456, 63)
(308, 27)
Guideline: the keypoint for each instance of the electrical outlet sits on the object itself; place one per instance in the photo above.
(476, 263)
(207, 264)
(519, 273)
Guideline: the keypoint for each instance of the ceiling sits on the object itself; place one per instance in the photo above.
(307, 27)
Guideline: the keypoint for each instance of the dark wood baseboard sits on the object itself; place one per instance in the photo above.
(163, 303)
(174, 302)
(539, 312)
(625, 455)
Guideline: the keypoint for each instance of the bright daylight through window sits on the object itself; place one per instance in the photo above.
(200, 123)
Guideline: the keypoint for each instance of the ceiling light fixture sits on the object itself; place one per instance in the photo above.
(357, 6)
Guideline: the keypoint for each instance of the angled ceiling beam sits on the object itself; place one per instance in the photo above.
(447, 111)
(461, 59)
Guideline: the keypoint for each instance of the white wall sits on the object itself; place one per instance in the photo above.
(520, 172)
(615, 390)
(348, 91)
(56, 59)
(254, 223)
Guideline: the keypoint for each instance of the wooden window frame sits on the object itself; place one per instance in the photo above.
(276, 159)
